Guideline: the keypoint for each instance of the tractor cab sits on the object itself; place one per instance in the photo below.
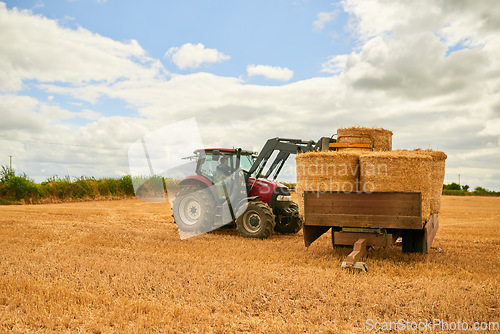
(217, 164)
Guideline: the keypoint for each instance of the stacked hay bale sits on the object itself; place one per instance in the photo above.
(437, 177)
(326, 171)
(400, 170)
(380, 170)
(382, 138)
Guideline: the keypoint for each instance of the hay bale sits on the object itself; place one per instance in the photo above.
(326, 171)
(400, 170)
(382, 138)
(437, 177)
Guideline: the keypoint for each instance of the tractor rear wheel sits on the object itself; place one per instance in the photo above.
(289, 224)
(257, 221)
(194, 209)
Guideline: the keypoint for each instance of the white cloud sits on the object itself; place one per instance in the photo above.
(323, 19)
(54, 112)
(270, 72)
(454, 21)
(406, 55)
(25, 113)
(89, 114)
(19, 113)
(194, 55)
(38, 5)
(401, 76)
(31, 131)
(492, 128)
(33, 47)
(335, 64)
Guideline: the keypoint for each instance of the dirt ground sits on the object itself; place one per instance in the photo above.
(119, 266)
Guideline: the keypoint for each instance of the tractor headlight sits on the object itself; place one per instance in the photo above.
(284, 198)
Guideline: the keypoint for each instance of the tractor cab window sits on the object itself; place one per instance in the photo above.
(215, 166)
(246, 162)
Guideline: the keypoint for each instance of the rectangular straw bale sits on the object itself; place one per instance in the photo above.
(437, 178)
(326, 171)
(382, 138)
(397, 171)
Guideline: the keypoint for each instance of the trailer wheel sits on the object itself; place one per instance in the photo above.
(257, 221)
(414, 241)
(289, 224)
(194, 209)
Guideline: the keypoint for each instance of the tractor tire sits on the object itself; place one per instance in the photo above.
(194, 209)
(257, 221)
(289, 224)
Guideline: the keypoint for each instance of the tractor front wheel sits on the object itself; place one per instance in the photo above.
(257, 221)
(289, 224)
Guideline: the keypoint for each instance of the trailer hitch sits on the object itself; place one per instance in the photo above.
(352, 260)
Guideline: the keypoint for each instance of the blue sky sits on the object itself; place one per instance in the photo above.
(94, 76)
(277, 33)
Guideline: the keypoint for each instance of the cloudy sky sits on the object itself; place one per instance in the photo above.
(81, 80)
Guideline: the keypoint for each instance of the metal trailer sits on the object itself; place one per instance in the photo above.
(374, 219)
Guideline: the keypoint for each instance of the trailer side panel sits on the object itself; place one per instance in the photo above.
(388, 210)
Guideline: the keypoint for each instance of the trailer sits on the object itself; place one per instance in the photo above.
(363, 219)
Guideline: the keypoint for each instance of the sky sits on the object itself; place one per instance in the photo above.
(82, 80)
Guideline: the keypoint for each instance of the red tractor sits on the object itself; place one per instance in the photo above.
(228, 188)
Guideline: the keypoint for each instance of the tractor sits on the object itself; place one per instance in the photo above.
(228, 189)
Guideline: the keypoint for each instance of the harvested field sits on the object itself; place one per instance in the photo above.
(119, 266)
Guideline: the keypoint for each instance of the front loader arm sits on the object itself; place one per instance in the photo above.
(285, 146)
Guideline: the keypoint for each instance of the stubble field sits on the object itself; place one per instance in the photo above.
(119, 266)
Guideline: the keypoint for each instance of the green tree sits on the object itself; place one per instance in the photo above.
(452, 186)
(6, 174)
(480, 190)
